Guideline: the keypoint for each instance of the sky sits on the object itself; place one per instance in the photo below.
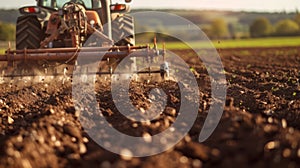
(236, 5)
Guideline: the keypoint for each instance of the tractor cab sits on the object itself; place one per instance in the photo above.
(69, 23)
(58, 4)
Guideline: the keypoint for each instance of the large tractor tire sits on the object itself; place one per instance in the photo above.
(29, 33)
(123, 31)
(123, 35)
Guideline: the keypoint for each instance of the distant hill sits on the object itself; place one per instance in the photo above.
(205, 16)
(238, 22)
(9, 16)
(196, 16)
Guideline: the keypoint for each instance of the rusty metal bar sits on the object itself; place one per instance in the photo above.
(90, 55)
(88, 73)
(86, 49)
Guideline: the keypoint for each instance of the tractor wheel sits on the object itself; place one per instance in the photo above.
(123, 35)
(123, 31)
(29, 33)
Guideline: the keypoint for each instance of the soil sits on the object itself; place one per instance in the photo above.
(260, 126)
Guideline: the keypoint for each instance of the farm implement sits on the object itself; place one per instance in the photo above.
(52, 35)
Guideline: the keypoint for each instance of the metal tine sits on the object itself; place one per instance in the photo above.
(2, 77)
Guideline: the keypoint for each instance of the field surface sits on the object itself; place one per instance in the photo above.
(260, 126)
(239, 43)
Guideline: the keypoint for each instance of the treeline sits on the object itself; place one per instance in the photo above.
(262, 27)
(220, 28)
(216, 24)
(231, 25)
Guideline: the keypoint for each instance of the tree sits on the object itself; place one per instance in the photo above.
(219, 29)
(286, 27)
(261, 27)
(231, 30)
(207, 30)
(297, 19)
(7, 32)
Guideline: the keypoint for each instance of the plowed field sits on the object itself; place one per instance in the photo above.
(260, 126)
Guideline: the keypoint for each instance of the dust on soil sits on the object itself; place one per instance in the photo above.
(40, 127)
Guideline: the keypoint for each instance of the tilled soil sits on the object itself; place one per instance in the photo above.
(39, 126)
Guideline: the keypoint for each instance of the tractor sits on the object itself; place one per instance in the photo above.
(68, 23)
(54, 32)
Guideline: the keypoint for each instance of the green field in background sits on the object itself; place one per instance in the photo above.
(2, 50)
(257, 42)
(4, 45)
